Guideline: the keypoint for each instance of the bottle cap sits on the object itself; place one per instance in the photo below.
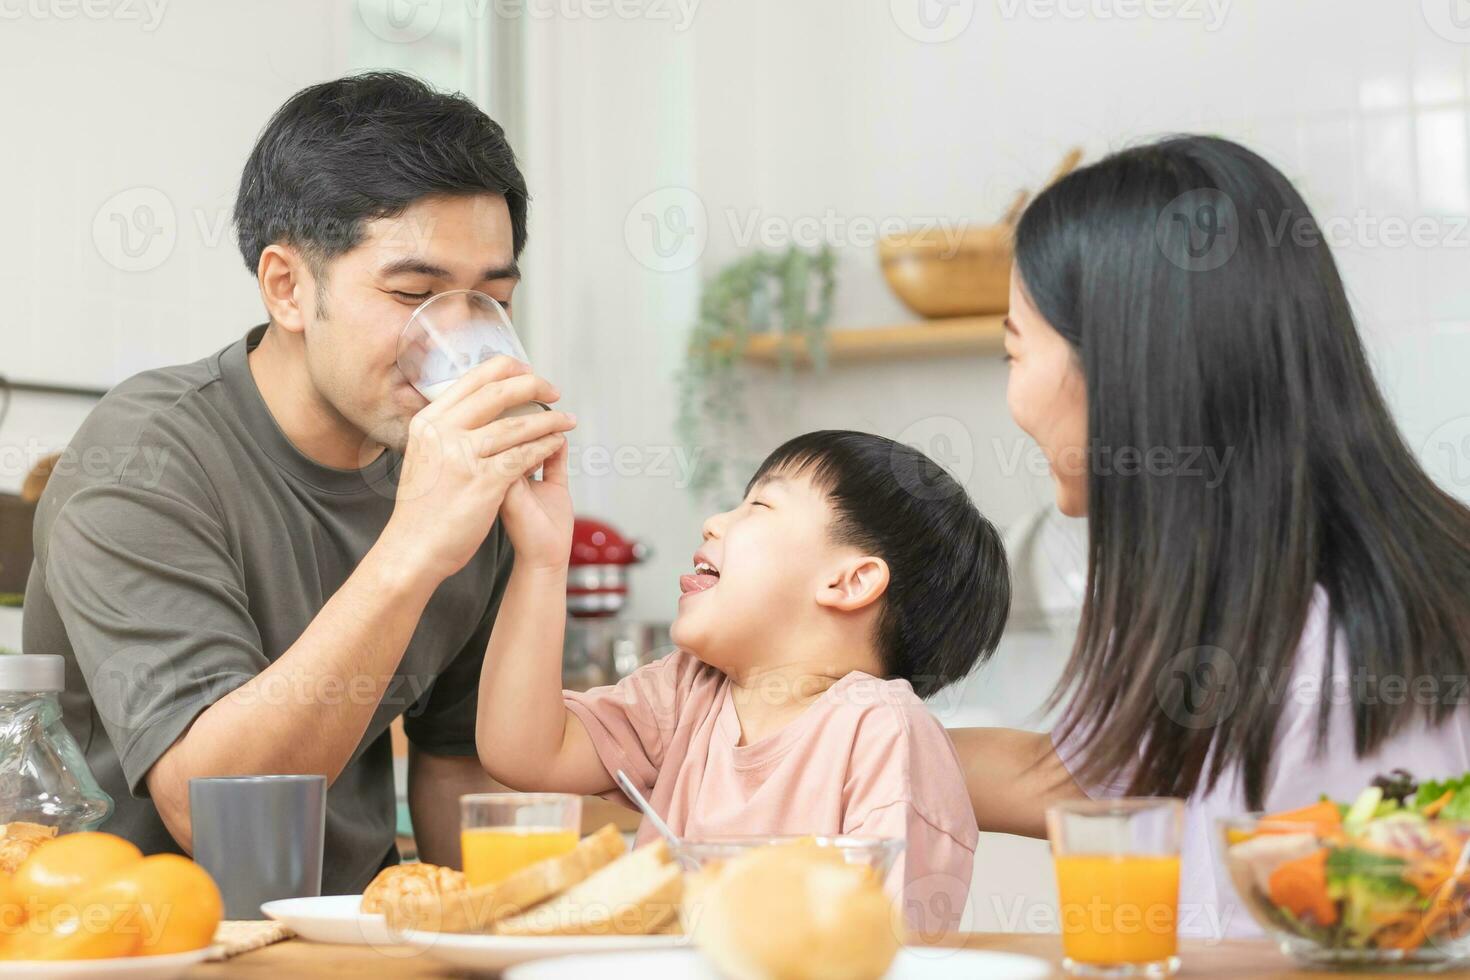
(32, 672)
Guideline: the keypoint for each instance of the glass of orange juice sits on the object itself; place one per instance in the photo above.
(501, 833)
(1118, 883)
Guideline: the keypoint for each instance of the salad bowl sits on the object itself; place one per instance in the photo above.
(1383, 882)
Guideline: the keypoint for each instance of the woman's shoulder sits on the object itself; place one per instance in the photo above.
(1315, 734)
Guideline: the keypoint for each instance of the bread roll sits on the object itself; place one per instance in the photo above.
(18, 840)
(394, 884)
(794, 912)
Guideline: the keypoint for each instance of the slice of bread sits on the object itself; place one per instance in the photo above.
(634, 896)
(477, 909)
(673, 927)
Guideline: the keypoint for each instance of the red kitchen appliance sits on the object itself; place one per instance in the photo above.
(597, 583)
(601, 646)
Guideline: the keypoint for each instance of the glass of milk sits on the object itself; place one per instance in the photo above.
(451, 332)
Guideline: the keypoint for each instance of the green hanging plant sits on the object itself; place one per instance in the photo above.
(789, 294)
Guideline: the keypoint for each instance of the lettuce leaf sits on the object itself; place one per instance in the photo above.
(1353, 862)
(1458, 807)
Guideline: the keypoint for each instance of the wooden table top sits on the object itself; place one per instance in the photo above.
(295, 958)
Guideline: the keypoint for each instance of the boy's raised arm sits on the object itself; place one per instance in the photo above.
(525, 735)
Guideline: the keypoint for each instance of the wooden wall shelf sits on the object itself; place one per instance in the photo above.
(925, 338)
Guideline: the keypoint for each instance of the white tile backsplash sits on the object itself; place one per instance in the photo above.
(1444, 181)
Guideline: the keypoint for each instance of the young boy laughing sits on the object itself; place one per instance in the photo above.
(855, 578)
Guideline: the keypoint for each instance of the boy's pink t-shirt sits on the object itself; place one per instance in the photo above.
(866, 758)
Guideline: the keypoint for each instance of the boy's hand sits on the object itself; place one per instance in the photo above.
(462, 460)
(538, 516)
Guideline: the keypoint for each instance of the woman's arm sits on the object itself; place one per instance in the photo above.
(1013, 776)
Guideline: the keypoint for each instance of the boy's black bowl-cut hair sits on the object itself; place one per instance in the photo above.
(949, 588)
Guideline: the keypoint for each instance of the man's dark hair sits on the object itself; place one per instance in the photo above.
(363, 147)
(949, 587)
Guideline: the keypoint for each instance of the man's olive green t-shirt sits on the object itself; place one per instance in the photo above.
(182, 545)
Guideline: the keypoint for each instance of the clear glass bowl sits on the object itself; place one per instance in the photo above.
(702, 859)
(1395, 896)
(878, 853)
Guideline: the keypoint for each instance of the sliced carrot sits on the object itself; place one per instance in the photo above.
(1300, 886)
(1323, 816)
(1443, 905)
(1406, 930)
(1439, 909)
(1440, 802)
(1427, 876)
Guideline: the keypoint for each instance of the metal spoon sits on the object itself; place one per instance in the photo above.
(627, 787)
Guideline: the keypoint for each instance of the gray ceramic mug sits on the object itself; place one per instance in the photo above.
(259, 837)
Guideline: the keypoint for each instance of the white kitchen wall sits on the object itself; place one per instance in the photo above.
(125, 137)
(123, 159)
(127, 125)
(837, 115)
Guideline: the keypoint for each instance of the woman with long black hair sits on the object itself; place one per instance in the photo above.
(1278, 596)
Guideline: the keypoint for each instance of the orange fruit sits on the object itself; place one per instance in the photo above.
(180, 908)
(12, 915)
(79, 932)
(91, 896)
(61, 869)
(94, 923)
(12, 908)
(157, 905)
(11, 925)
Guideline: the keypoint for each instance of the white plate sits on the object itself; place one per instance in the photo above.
(914, 963)
(489, 953)
(331, 919)
(152, 967)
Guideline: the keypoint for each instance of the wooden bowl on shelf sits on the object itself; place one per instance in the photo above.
(945, 273)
